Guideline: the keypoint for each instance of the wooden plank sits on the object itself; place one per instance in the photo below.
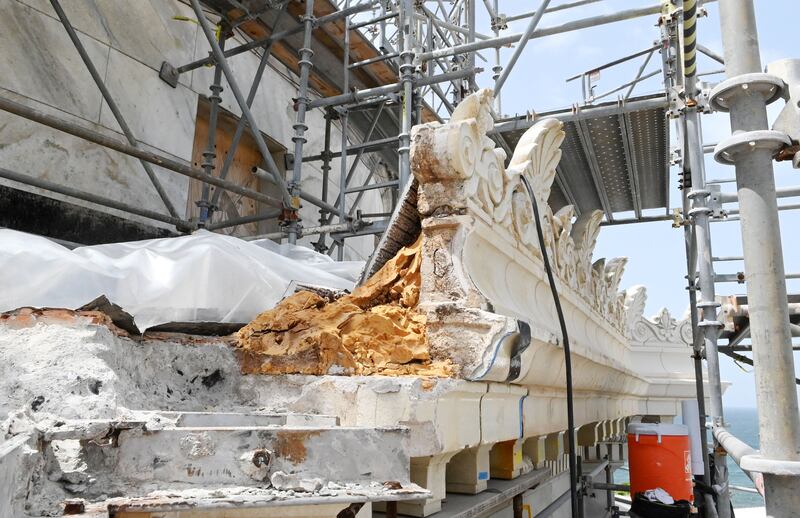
(498, 495)
(330, 36)
(288, 57)
(246, 158)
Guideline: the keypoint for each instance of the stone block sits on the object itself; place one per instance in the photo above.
(430, 473)
(501, 413)
(506, 459)
(248, 455)
(534, 449)
(468, 471)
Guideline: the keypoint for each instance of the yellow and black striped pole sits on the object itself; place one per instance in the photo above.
(689, 38)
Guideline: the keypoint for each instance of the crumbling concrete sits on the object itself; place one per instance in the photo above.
(80, 393)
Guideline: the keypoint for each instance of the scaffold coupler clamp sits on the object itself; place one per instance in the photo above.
(788, 120)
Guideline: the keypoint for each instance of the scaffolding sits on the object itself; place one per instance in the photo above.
(422, 57)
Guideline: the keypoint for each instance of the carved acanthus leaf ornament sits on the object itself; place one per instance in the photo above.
(460, 169)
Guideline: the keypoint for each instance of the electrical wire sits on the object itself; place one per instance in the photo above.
(573, 475)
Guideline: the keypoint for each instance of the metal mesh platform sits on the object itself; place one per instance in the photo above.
(616, 157)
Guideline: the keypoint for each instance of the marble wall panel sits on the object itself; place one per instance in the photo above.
(85, 16)
(36, 150)
(41, 63)
(157, 114)
(145, 30)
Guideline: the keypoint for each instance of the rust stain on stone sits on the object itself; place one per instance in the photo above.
(291, 445)
(28, 317)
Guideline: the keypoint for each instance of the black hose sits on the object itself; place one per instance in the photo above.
(573, 475)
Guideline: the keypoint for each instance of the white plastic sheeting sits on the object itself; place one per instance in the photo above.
(200, 277)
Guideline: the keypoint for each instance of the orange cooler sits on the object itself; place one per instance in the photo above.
(659, 456)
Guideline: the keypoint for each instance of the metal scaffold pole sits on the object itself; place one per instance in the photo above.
(300, 127)
(210, 153)
(344, 118)
(700, 215)
(745, 93)
(407, 81)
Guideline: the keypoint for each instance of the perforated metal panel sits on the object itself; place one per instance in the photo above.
(615, 162)
(650, 133)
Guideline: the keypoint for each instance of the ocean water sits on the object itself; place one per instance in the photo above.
(743, 423)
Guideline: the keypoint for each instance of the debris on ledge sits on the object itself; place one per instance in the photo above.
(374, 330)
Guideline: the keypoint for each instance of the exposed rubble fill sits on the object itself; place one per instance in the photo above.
(374, 330)
(82, 403)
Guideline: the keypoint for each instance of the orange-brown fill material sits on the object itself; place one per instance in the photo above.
(374, 330)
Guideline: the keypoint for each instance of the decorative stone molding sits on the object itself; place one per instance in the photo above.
(661, 346)
(482, 268)
(661, 329)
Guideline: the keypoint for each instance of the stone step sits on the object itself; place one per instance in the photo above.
(85, 429)
(215, 419)
(254, 455)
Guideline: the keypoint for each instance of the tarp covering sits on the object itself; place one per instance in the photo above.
(199, 277)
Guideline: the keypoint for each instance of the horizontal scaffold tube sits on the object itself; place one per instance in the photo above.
(148, 156)
(263, 42)
(387, 89)
(574, 25)
(737, 449)
(93, 198)
(616, 108)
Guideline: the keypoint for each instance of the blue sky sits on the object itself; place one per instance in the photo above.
(655, 250)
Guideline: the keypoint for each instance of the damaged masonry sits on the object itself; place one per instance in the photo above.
(289, 258)
(421, 380)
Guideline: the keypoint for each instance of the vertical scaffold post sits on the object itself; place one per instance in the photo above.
(343, 117)
(407, 80)
(324, 218)
(497, 69)
(745, 94)
(210, 153)
(700, 215)
(300, 125)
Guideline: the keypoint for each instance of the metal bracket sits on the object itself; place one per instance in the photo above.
(169, 74)
(677, 219)
(675, 156)
(288, 161)
(703, 99)
(725, 152)
(709, 323)
(676, 103)
(788, 121)
(769, 86)
(714, 201)
(500, 23)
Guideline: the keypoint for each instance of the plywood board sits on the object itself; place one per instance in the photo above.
(246, 158)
